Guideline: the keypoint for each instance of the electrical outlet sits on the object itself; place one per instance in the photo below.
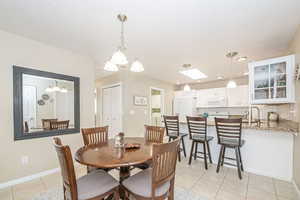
(24, 160)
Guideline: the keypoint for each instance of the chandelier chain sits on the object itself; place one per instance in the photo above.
(122, 47)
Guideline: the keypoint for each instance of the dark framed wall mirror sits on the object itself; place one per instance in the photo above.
(45, 103)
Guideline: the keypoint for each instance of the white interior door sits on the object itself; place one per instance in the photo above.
(116, 110)
(112, 109)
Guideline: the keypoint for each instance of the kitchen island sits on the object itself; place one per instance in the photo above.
(268, 149)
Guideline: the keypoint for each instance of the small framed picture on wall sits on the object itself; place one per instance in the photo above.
(140, 101)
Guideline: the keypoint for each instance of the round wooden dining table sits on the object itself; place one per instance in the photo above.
(106, 155)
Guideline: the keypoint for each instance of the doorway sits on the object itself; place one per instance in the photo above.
(112, 108)
(156, 106)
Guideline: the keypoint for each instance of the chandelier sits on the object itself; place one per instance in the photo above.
(231, 83)
(118, 59)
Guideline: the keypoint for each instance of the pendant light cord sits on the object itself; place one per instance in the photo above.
(122, 37)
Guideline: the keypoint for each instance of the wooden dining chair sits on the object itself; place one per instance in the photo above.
(93, 186)
(229, 133)
(97, 135)
(153, 134)
(59, 125)
(46, 123)
(157, 182)
(173, 132)
(198, 134)
(26, 127)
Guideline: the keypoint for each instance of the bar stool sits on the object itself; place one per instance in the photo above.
(229, 133)
(172, 129)
(198, 134)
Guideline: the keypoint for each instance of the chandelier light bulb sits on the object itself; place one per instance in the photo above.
(55, 89)
(137, 66)
(63, 90)
(231, 84)
(186, 88)
(111, 67)
(119, 58)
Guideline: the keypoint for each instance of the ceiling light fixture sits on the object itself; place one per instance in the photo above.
(220, 77)
(231, 83)
(246, 73)
(119, 59)
(241, 59)
(186, 88)
(56, 89)
(192, 73)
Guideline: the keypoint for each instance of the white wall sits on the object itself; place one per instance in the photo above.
(16, 50)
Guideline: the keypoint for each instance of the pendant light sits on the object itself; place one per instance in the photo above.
(137, 66)
(111, 67)
(231, 83)
(186, 88)
(119, 59)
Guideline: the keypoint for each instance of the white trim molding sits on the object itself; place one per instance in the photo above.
(28, 178)
(296, 188)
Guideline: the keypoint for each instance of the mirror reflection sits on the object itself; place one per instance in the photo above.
(48, 104)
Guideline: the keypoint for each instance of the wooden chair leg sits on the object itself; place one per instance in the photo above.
(220, 158)
(179, 155)
(191, 153)
(116, 195)
(223, 156)
(183, 147)
(171, 192)
(64, 190)
(241, 160)
(205, 155)
(208, 150)
(196, 150)
(238, 162)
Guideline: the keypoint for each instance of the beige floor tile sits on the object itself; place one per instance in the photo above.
(257, 179)
(238, 189)
(207, 190)
(266, 187)
(186, 181)
(283, 198)
(52, 180)
(229, 195)
(256, 194)
(286, 191)
(6, 194)
(262, 183)
(29, 189)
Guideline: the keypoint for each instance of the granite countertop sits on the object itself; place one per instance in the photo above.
(282, 125)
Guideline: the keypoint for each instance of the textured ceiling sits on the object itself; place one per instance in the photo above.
(162, 34)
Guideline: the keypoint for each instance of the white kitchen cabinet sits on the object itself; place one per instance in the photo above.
(184, 106)
(215, 97)
(238, 96)
(272, 81)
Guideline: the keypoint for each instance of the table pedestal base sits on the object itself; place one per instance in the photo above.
(124, 174)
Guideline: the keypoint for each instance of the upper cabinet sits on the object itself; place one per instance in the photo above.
(215, 97)
(238, 96)
(272, 81)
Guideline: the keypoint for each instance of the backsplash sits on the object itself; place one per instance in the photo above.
(285, 111)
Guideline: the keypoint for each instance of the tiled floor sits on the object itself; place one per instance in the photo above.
(205, 183)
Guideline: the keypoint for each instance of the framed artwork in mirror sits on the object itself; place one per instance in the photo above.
(140, 101)
(45, 103)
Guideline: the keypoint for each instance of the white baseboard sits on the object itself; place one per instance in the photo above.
(296, 188)
(28, 178)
